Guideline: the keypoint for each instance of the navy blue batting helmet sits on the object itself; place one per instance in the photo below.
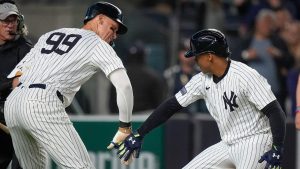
(109, 10)
(208, 41)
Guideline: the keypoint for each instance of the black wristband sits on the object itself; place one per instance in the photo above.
(124, 124)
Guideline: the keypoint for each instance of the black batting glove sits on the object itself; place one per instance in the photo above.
(130, 147)
(273, 158)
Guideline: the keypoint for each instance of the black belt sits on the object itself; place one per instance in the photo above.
(37, 85)
(43, 86)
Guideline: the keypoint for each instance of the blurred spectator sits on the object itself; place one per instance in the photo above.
(268, 54)
(283, 17)
(157, 4)
(148, 86)
(13, 47)
(289, 34)
(191, 16)
(242, 6)
(214, 15)
(178, 75)
(257, 5)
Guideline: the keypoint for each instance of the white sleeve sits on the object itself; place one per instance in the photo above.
(258, 90)
(192, 91)
(106, 58)
(120, 80)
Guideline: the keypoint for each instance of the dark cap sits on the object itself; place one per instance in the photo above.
(208, 41)
(110, 11)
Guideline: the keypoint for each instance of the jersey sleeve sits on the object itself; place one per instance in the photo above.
(258, 90)
(192, 91)
(106, 58)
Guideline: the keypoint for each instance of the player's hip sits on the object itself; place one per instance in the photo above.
(35, 92)
(232, 138)
(25, 105)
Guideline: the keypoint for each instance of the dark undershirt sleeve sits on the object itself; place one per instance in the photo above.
(277, 119)
(160, 115)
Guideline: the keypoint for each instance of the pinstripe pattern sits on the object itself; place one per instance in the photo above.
(39, 124)
(235, 103)
(246, 153)
(69, 71)
(63, 60)
(215, 156)
(242, 155)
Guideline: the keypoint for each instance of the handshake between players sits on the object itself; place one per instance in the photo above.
(128, 145)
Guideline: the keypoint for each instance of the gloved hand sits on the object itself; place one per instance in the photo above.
(130, 148)
(121, 134)
(273, 158)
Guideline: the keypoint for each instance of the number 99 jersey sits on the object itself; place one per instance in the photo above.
(66, 58)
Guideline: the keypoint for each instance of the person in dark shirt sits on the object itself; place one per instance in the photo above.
(13, 47)
(148, 86)
(179, 74)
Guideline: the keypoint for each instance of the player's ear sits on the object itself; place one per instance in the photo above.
(100, 19)
(210, 57)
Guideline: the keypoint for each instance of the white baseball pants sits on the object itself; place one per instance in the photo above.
(38, 125)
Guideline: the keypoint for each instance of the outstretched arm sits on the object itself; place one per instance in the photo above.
(160, 115)
(131, 146)
(120, 80)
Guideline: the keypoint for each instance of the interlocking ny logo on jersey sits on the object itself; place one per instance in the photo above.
(231, 102)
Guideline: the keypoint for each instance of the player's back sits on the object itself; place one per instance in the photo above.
(58, 55)
(66, 58)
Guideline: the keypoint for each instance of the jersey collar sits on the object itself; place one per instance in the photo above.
(217, 79)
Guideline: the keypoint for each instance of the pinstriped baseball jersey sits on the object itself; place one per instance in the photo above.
(66, 58)
(61, 61)
(234, 102)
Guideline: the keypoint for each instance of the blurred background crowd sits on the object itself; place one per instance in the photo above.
(265, 34)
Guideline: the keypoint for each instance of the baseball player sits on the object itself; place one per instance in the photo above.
(250, 119)
(60, 62)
